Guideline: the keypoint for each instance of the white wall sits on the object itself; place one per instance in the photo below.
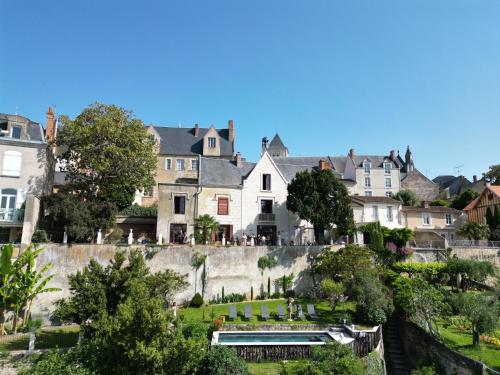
(365, 215)
(377, 176)
(208, 204)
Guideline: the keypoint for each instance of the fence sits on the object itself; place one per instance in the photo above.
(474, 243)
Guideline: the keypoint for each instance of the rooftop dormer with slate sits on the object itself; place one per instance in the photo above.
(18, 128)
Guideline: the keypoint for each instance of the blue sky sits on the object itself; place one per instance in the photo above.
(327, 75)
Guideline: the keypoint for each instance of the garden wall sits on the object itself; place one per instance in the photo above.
(490, 254)
(234, 268)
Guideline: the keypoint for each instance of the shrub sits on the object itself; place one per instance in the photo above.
(39, 236)
(290, 293)
(197, 300)
(140, 211)
(116, 235)
(374, 304)
(439, 202)
(431, 271)
(195, 330)
(425, 370)
(222, 360)
(276, 295)
(56, 363)
(230, 298)
(373, 364)
(64, 312)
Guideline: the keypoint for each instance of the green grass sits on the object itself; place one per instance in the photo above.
(322, 309)
(45, 339)
(462, 342)
(269, 368)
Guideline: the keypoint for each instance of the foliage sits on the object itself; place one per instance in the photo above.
(458, 323)
(387, 244)
(430, 271)
(140, 211)
(222, 360)
(466, 270)
(493, 175)
(373, 364)
(107, 154)
(407, 197)
(197, 260)
(462, 200)
(423, 302)
(56, 363)
(425, 370)
(39, 236)
(196, 330)
(116, 235)
(320, 198)
(197, 300)
(374, 303)
(474, 231)
(333, 291)
(439, 202)
(207, 225)
(285, 282)
(81, 218)
(482, 311)
(266, 262)
(493, 221)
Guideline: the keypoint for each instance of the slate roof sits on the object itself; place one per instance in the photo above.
(277, 143)
(376, 160)
(181, 141)
(364, 199)
(33, 129)
(290, 166)
(443, 209)
(223, 172)
(454, 184)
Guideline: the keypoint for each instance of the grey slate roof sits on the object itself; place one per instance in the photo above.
(181, 141)
(33, 129)
(376, 160)
(277, 143)
(454, 184)
(223, 172)
(291, 165)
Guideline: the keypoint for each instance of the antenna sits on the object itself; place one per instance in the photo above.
(458, 169)
(17, 109)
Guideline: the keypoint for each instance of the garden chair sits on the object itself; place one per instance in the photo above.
(247, 309)
(299, 314)
(312, 312)
(281, 312)
(232, 313)
(264, 312)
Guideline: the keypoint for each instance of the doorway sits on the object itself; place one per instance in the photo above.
(178, 233)
(269, 231)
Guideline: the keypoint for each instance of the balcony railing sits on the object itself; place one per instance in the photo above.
(267, 217)
(11, 215)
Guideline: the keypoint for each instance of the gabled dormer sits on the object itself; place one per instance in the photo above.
(211, 143)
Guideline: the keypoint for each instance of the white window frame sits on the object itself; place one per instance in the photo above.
(212, 142)
(12, 163)
(368, 193)
(387, 168)
(375, 212)
(8, 213)
(390, 215)
(194, 164)
(180, 162)
(450, 216)
(168, 164)
(262, 182)
(367, 167)
(368, 182)
(16, 127)
(426, 215)
(388, 183)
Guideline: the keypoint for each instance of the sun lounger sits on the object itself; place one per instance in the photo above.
(247, 309)
(264, 312)
(281, 312)
(312, 312)
(232, 313)
(299, 313)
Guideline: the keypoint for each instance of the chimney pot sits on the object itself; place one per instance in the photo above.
(352, 153)
(393, 155)
(230, 126)
(50, 126)
(237, 159)
(196, 130)
(474, 178)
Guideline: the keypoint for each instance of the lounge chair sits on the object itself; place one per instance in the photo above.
(281, 312)
(312, 312)
(264, 312)
(247, 309)
(299, 314)
(232, 313)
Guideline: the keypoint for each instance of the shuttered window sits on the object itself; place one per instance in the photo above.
(223, 206)
(12, 163)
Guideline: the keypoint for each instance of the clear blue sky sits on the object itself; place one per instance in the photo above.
(327, 75)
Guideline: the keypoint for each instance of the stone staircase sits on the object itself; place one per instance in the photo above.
(395, 358)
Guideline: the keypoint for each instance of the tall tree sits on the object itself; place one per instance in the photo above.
(407, 197)
(493, 175)
(462, 200)
(107, 154)
(320, 198)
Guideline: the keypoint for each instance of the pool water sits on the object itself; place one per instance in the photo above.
(274, 337)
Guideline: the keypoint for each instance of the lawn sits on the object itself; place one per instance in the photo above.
(462, 342)
(45, 339)
(268, 368)
(207, 314)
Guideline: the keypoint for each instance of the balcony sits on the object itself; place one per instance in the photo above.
(11, 215)
(267, 217)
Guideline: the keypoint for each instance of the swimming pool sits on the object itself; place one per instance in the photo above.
(269, 338)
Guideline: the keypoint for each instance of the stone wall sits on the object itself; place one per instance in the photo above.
(489, 254)
(234, 268)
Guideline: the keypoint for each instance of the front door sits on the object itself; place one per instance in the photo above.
(269, 231)
(226, 230)
(178, 233)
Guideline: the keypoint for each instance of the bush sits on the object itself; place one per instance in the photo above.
(222, 360)
(276, 295)
(373, 364)
(197, 300)
(439, 202)
(230, 298)
(140, 211)
(64, 313)
(195, 330)
(374, 304)
(425, 370)
(39, 236)
(56, 363)
(116, 235)
(431, 271)
(290, 294)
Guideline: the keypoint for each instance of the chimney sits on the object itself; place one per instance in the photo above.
(393, 155)
(351, 153)
(50, 126)
(265, 143)
(230, 127)
(196, 130)
(237, 159)
(324, 165)
(474, 178)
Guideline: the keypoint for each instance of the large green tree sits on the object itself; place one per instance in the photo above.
(474, 231)
(462, 200)
(493, 175)
(107, 154)
(407, 197)
(320, 198)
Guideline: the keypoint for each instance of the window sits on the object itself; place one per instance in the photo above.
(266, 182)
(367, 167)
(388, 182)
(212, 142)
(368, 193)
(194, 164)
(387, 168)
(389, 213)
(12, 163)
(179, 205)
(375, 212)
(449, 219)
(368, 182)
(388, 194)
(180, 164)
(15, 132)
(7, 204)
(266, 206)
(426, 218)
(222, 206)
(168, 164)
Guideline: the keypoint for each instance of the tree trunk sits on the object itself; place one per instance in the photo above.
(475, 337)
(14, 320)
(3, 315)
(319, 235)
(27, 310)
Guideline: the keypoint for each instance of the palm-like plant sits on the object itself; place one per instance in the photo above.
(474, 231)
(206, 224)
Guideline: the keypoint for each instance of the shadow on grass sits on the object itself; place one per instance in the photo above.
(44, 340)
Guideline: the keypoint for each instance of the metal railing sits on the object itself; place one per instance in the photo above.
(267, 217)
(11, 214)
(474, 243)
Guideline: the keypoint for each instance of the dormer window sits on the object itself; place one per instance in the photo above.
(15, 132)
(387, 168)
(367, 166)
(212, 142)
(266, 182)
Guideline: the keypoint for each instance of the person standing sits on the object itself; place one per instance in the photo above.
(290, 307)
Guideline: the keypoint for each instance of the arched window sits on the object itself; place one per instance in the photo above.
(7, 204)
(12, 163)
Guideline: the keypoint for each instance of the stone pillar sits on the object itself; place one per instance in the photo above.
(160, 239)
(30, 219)
(99, 237)
(130, 237)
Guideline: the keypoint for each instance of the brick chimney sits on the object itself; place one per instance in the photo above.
(324, 165)
(196, 130)
(230, 127)
(237, 159)
(393, 155)
(474, 178)
(50, 126)
(352, 153)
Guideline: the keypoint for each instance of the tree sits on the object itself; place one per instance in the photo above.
(373, 301)
(222, 360)
(493, 175)
(333, 291)
(474, 231)
(197, 261)
(107, 154)
(463, 271)
(462, 200)
(481, 310)
(285, 282)
(407, 197)
(318, 197)
(207, 225)
(268, 262)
